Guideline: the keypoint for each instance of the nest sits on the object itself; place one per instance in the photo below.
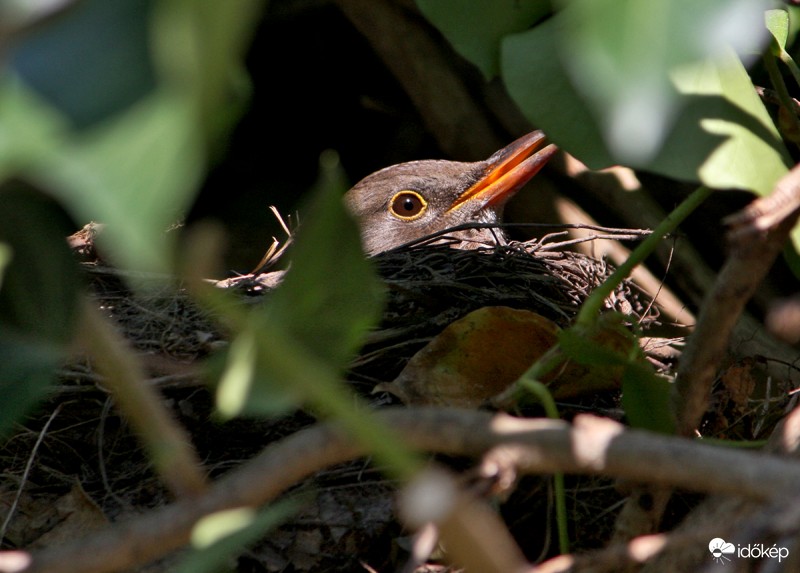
(77, 441)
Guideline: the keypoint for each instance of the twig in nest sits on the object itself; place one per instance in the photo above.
(276, 249)
(26, 472)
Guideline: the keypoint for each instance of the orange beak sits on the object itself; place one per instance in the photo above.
(507, 171)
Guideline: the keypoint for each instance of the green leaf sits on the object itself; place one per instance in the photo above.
(331, 295)
(533, 71)
(777, 22)
(475, 29)
(219, 537)
(92, 62)
(38, 298)
(41, 283)
(138, 169)
(5, 259)
(646, 399)
(619, 54)
(200, 47)
(317, 318)
(250, 383)
(29, 128)
(604, 342)
(27, 369)
(721, 134)
(737, 145)
(137, 174)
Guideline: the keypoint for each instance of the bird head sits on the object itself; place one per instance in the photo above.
(410, 201)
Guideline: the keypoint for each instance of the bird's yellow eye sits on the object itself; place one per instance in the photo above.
(408, 205)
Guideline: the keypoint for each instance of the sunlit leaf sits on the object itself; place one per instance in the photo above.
(618, 53)
(777, 22)
(221, 536)
(737, 145)
(722, 134)
(476, 28)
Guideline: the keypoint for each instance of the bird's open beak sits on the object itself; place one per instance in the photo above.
(507, 171)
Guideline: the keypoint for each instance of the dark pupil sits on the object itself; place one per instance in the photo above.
(407, 205)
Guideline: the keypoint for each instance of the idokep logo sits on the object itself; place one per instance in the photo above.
(720, 549)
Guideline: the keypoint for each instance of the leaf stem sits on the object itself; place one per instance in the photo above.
(546, 399)
(779, 84)
(594, 303)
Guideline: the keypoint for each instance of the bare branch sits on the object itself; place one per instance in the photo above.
(744, 270)
(592, 445)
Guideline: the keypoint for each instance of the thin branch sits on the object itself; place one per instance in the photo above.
(24, 479)
(168, 443)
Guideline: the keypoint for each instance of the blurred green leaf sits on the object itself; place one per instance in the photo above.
(250, 383)
(722, 134)
(5, 259)
(219, 537)
(325, 309)
(92, 61)
(137, 174)
(646, 399)
(200, 47)
(316, 319)
(27, 369)
(41, 284)
(29, 128)
(619, 54)
(475, 29)
(38, 298)
(537, 81)
(138, 169)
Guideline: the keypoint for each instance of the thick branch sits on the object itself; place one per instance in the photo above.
(592, 445)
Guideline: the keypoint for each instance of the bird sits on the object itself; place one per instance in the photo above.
(411, 201)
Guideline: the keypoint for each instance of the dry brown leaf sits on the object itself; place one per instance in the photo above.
(474, 358)
(77, 513)
(740, 382)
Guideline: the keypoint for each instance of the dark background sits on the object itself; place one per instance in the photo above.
(317, 85)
